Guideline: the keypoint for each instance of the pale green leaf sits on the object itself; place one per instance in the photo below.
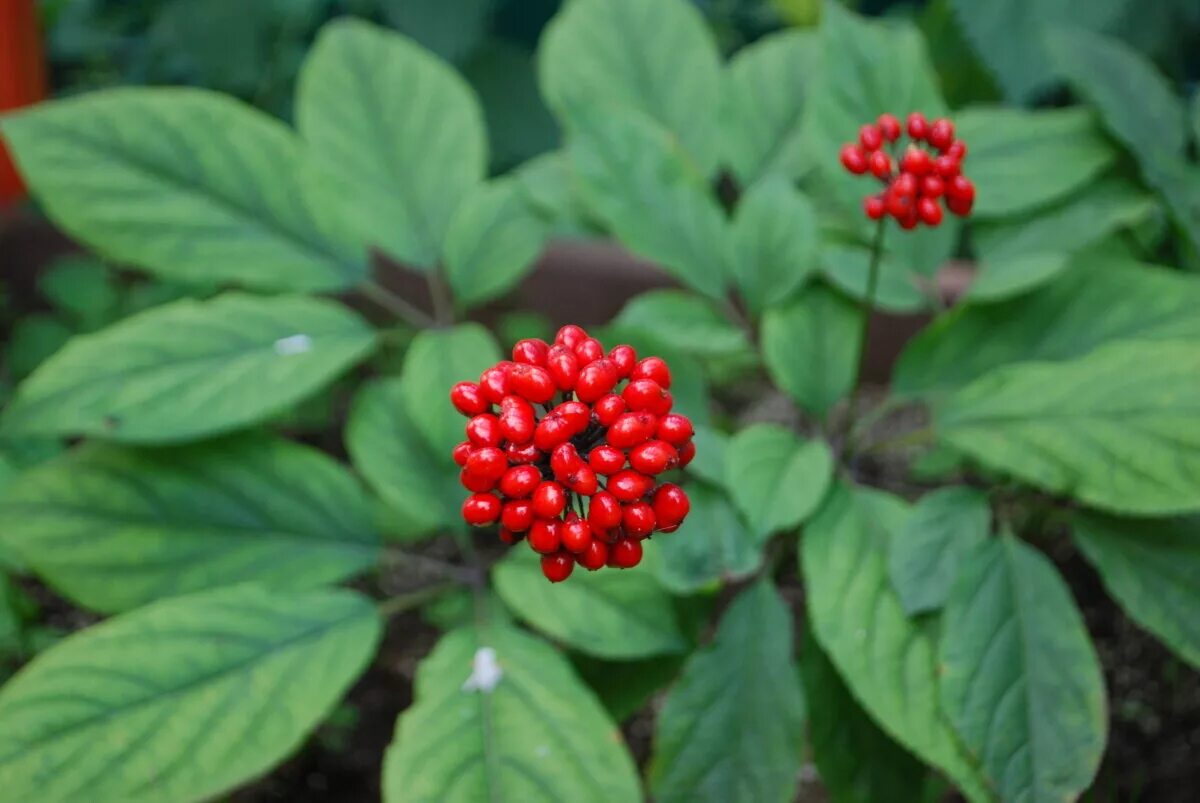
(186, 183)
(1000, 279)
(682, 321)
(535, 734)
(398, 134)
(190, 368)
(774, 243)
(1020, 678)
(732, 727)
(711, 545)
(184, 699)
(776, 479)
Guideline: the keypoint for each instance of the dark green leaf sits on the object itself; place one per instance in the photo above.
(624, 687)
(33, 340)
(711, 545)
(775, 243)
(83, 289)
(450, 29)
(776, 479)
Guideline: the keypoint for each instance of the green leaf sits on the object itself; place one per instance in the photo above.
(1008, 35)
(886, 659)
(1152, 568)
(10, 622)
(491, 243)
(1020, 679)
(625, 687)
(857, 761)
(711, 545)
(608, 614)
(709, 462)
(419, 486)
(82, 288)
(656, 59)
(924, 556)
(519, 125)
(810, 346)
(776, 479)
(1005, 278)
(1088, 306)
(436, 360)
(189, 369)
(682, 321)
(635, 179)
(398, 134)
(1021, 159)
(847, 267)
(451, 30)
(763, 101)
(775, 243)
(732, 727)
(115, 528)
(184, 699)
(34, 339)
(186, 183)
(1117, 429)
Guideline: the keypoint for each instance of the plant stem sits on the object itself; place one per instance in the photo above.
(868, 300)
(441, 568)
(443, 307)
(916, 437)
(395, 304)
(413, 599)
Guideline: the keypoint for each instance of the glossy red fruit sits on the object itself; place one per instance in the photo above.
(563, 366)
(941, 133)
(881, 164)
(638, 519)
(570, 336)
(516, 419)
(549, 499)
(646, 394)
(530, 351)
(545, 535)
(929, 211)
(960, 187)
(625, 554)
(608, 408)
(957, 150)
(918, 126)
(462, 452)
(481, 509)
(564, 460)
(487, 462)
(508, 536)
(630, 429)
(532, 383)
(517, 515)
(854, 158)
(653, 457)
(468, 399)
(874, 207)
(909, 219)
(604, 513)
(671, 505)
(577, 414)
(576, 534)
(870, 137)
(589, 350)
(652, 368)
(905, 184)
(557, 567)
(933, 187)
(551, 431)
(628, 485)
(686, 452)
(899, 205)
(493, 383)
(675, 429)
(582, 481)
(522, 452)
(519, 481)
(946, 166)
(484, 430)
(606, 460)
(595, 380)
(595, 556)
(475, 483)
(959, 206)
(916, 161)
(889, 126)
(624, 357)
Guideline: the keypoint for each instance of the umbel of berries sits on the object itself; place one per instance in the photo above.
(919, 172)
(565, 447)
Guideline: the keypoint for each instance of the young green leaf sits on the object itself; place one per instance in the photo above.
(731, 728)
(775, 243)
(184, 699)
(1117, 429)
(115, 528)
(186, 183)
(501, 716)
(398, 134)
(682, 321)
(655, 59)
(924, 556)
(492, 242)
(190, 369)
(776, 479)
(1020, 679)
(1152, 568)
(810, 345)
(608, 614)
(886, 659)
(711, 545)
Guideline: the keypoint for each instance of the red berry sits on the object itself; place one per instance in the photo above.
(551, 431)
(481, 509)
(889, 126)
(474, 482)
(606, 460)
(686, 452)
(625, 554)
(582, 481)
(652, 368)
(577, 414)
(624, 357)
(930, 211)
(517, 515)
(488, 462)
(961, 188)
(576, 534)
(610, 536)
(522, 452)
(570, 336)
(918, 126)
(532, 382)
(508, 536)
(630, 429)
(545, 535)
(493, 383)
(941, 133)
(589, 350)
(916, 161)
(874, 207)
(549, 500)
(653, 457)
(854, 158)
(898, 205)
(959, 206)
(675, 429)
(629, 486)
(870, 137)
(608, 409)
(530, 351)
(646, 394)
(881, 164)
(638, 519)
(905, 184)
(516, 419)
(932, 186)
(468, 399)
(910, 219)
(557, 567)
(462, 452)
(604, 512)
(519, 481)
(563, 366)
(957, 150)
(595, 380)
(595, 556)
(671, 505)
(484, 430)
(946, 166)
(564, 460)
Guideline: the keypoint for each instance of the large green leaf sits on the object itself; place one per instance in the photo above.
(887, 660)
(1001, 279)
(1118, 429)
(609, 613)
(656, 59)
(624, 687)
(711, 545)
(492, 242)
(1092, 304)
(635, 178)
(500, 716)
(183, 699)
(1008, 35)
(775, 243)
(1020, 679)
(1021, 159)
(709, 462)
(1152, 568)
(114, 528)
(682, 321)
(776, 479)
(810, 346)
(189, 369)
(398, 133)
(420, 487)
(848, 268)
(762, 102)
(731, 729)
(924, 556)
(186, 183)
(436, 360)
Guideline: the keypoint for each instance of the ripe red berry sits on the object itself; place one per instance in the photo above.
(909, 219)
(508, 536)
(653, 457)
(932, 186)
(589, 350)
(545, 535)
(624, 357)
(563, 366)
(961, 188)
(468, 399)
(918, 126)
(557, 567)
(519, 481)
(881, 164)
(916, 161)
(530, 351)
(638, 519)
(889, 126)
(481, 509)
(551, 431)
(564, 460)
(646, 394)
(474, 482)
(582, 481)
(595, 380)
(606, 460)
(630, 429)
(874, 206)
(576, 534)
(957, 150)
(549, 500)
(595, 556)
(686, 452)
(604, 513)
(629, 486)
(905, 184)
(522, 452)
(487, 462)
(532, 382)
(898, 205)
(946, 166)
(959, 206)
(493, 383)
(675, 429)
(625, 554)
(516, 419)
(577, 414)
(517, 515)
(854, 158)
(671, 505)
(484, 430)
(652, 368)
(570, 336)
(930, 211)
(608, 408)
(870, 137)
(941, 134)
(462, 452)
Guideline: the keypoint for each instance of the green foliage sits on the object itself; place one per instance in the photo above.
(776, 479)
(712, 544)
(775, 243)
(682, 321)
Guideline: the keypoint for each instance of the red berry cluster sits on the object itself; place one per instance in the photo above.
(569, 460)
(925, 176)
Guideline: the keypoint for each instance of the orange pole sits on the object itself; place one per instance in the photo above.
(22, 78)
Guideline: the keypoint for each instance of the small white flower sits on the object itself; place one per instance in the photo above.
(296, 344)
(485, 671)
